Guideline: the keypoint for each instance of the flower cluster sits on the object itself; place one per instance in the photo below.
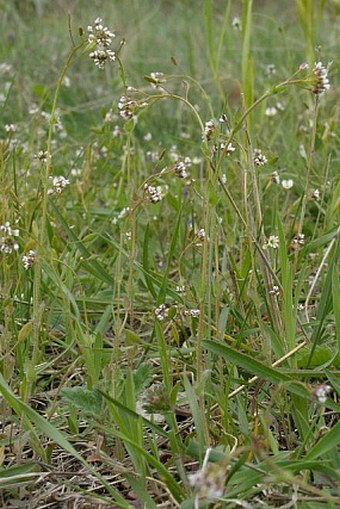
(123, 213)
(299, 239)
(43, 156)
(209, 481)
(58, 184)
(200, 236)
(11, 128)
(209, 128)
(259, 158)
(181, 168)
(157, 78)
(127, 107)
(272, 242)
(155, 194)
(275, 291)
(161, 312)
(321, 392)
(28, 259)
(321, 77)
(194, 313)
(229, 149)
(102, 37)
(8, 244)
(275, 177)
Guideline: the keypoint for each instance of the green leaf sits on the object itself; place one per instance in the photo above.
(329, 441)
(87, 401)
(143, 376)
(255, 367)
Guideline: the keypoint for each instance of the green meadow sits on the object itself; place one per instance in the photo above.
(169, 254)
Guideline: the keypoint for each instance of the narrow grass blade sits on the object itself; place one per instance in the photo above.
(255, 367)
(162, 470)
(327, 443)
(324, 303)
(92, 266)
(288, 307)
(54, 434)
(146, 267)
(247, 65)
(163, 288)
(197, 415)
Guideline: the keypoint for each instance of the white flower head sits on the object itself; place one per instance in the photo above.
(209, 128)
(236, 23)
(259, 158)
(287, 184)
(58, 184)
(8, 244)
(155, 193)
(321, 392)
(270, 111)
(28, 259)
(102, 56)
(321, 78)
(100, 35)
(272, 242)
(208, 482)
(161, 312)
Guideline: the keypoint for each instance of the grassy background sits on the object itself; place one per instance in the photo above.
(83, 355)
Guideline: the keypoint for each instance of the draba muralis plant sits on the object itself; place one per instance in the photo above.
(181, 320)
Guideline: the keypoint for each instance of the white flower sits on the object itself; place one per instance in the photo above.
(194, 313)
(148, 137)
(275, 291)
(42, 156)
(315, 194)
(321, 392)
(209, 128)
(66, 81)
(155, 194)
(181, 168)
(101, 56)
(209, 481)
(321, 74)
(162, 312)
(272, 242)
(270, 112)
(11, 128)
(276, 177)
(270, 69)
(28, 259)
(180, 289)
(127, 107)
(299, 239)
(302, 151)
(99, 34)
(200, 236)
(8, 244)
(229, 149)
(58, 184)
(236, 23)
(259, 158)
(287, 184)
(157, 79)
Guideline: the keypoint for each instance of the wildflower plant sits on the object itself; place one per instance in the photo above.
(169, 250)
